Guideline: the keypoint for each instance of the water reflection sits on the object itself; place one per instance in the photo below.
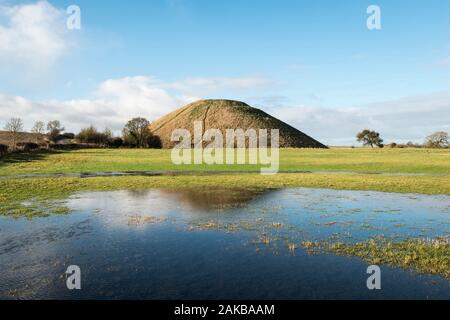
(130, 206)
(221, 199)
(217, 243)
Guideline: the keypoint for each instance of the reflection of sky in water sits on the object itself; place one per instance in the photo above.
(316, 215)
(204, 244)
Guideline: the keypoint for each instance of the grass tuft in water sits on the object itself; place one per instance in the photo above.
(424, 256)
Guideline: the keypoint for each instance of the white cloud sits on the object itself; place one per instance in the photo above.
(117, 100)
(112, 105)
(32, 36)
(140, 96)
(402, 120)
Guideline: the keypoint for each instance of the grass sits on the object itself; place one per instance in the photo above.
(430, 257)
(424, 256)
(424, 161)
(13, 192)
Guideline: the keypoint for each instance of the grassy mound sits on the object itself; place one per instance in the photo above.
(228, 114)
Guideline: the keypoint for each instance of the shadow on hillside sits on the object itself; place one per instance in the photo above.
(23, 157)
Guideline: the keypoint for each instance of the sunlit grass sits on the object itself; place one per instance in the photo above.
(426, 161)
(13, 190)
(431, 257)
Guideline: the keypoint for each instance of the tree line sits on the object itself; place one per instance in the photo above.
(135, 134)
(373, 139)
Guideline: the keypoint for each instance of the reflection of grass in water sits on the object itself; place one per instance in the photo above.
(332, 223)
(328, 215)
(266, 209)
(264, 240)
(386, 211)
(315, 209)
(213, 225)
(292, 247)
(276, 225)
(366, 226)
(138, 220)
(309, 245)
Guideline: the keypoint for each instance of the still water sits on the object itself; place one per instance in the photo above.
(217, 244)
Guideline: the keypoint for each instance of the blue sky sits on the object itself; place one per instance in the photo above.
(312, 63)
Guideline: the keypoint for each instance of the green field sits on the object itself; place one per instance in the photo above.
(420, 171)
(424, 161)
(430, 169)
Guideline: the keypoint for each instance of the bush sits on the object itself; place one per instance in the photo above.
(68, 135)
(115, 142)
(129, 142)
(3, 149)
(154, 142)
(27, 146)
(92, 135)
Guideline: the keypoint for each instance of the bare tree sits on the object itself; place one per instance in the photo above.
(54, 129)
(137, 132)
(437, 140)
(14, 126)
(38, 129)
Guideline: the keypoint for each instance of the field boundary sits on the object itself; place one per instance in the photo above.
(204, 173)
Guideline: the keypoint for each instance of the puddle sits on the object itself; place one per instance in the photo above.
(218, 244)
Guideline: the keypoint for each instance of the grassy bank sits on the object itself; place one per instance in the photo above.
(430, 257)
(426, 161)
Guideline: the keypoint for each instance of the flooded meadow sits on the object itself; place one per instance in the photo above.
(223, 244)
